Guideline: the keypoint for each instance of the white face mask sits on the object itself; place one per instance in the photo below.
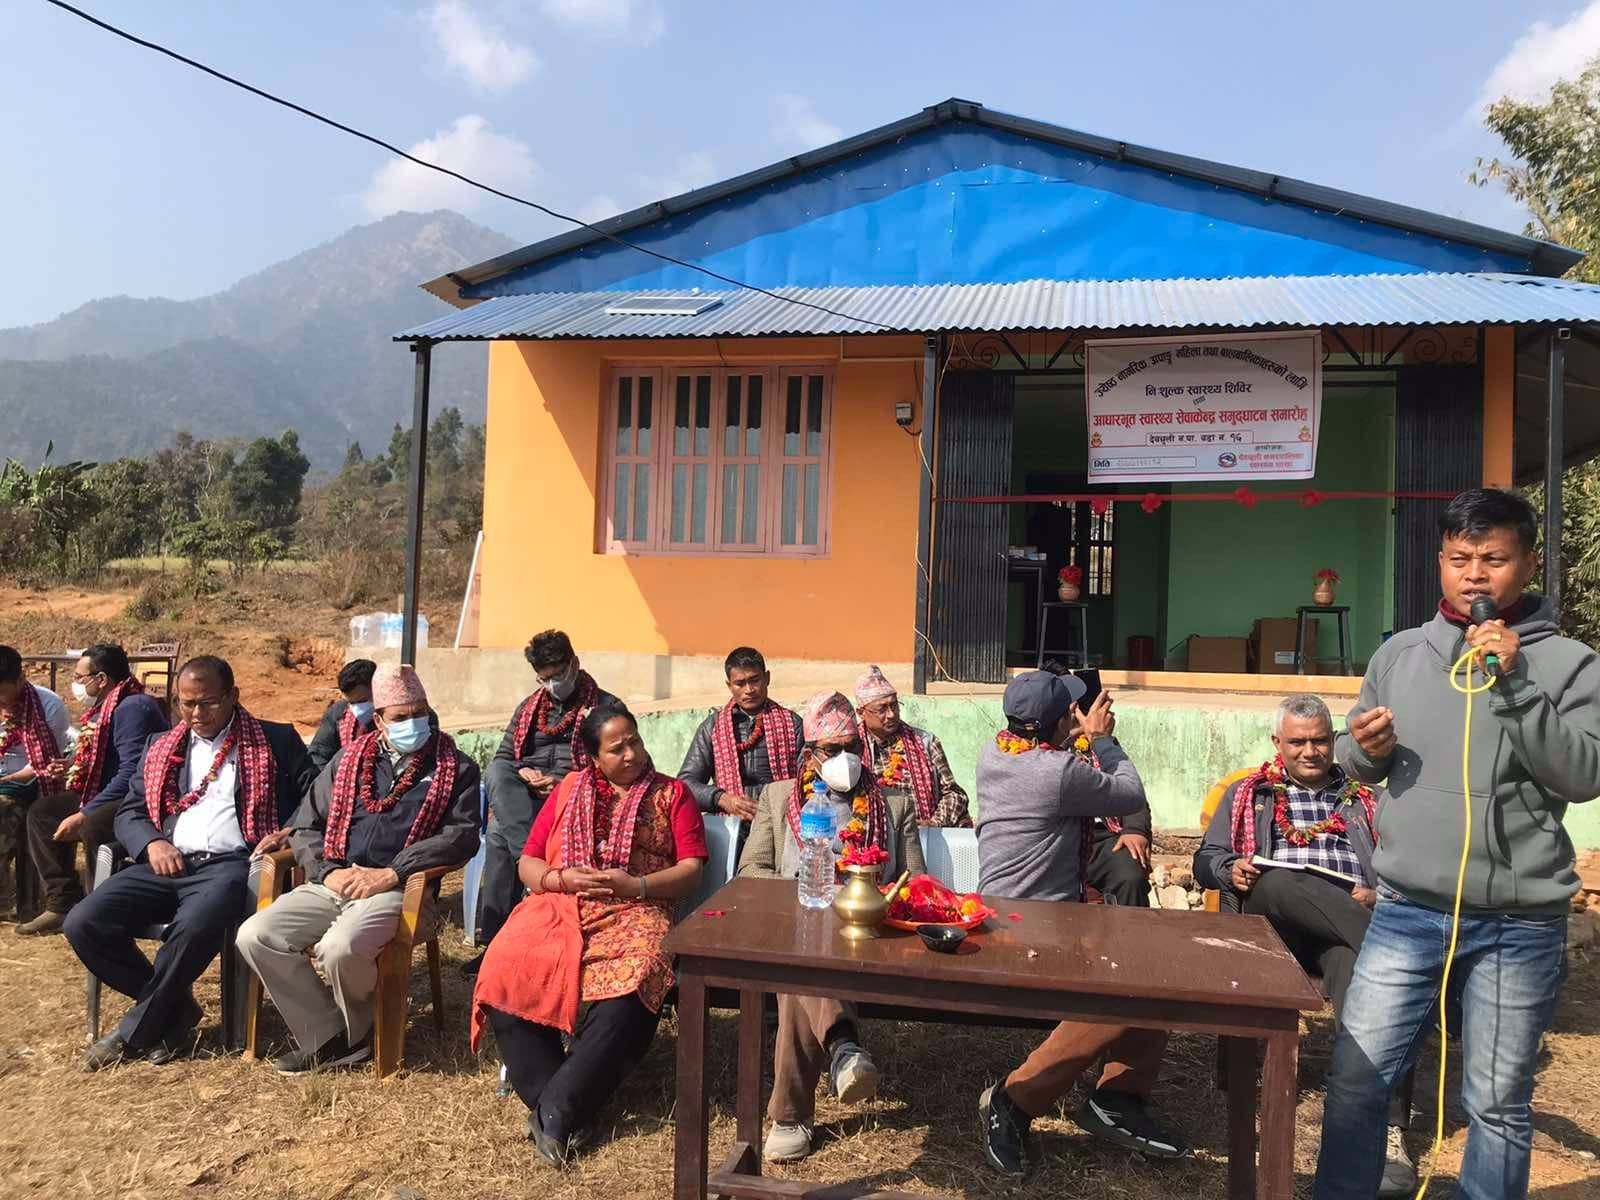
(80, 691)
(841, 772)
(563, 686)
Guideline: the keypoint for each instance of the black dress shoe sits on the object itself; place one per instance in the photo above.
(470, 967)
(107, 1052)
(554, 1151)
(179, 1040)
(335, 1052)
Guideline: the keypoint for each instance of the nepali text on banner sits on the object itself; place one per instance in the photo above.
(1181, 410)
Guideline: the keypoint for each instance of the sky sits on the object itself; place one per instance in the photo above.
(131, 174)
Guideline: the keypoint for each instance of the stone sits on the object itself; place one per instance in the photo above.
(1181, 876)
(1583, 929)
(1173, 896)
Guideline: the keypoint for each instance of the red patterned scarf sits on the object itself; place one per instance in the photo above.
(1243, 817)
(356, 777)
(89, 761)
(534, 713)
(877, 814)
(597, 828)
(774, 725)
(258, 775)
(27, 725)
(349, 727)
(914, 763)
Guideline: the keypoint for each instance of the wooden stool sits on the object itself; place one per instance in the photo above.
(1083, 628)
(1342, 612)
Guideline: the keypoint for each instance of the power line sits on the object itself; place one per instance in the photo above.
(493, 191)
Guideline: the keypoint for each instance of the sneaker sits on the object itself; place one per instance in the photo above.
(179, 1040)
(853, 1073)
(786, 1142)
(553, 1150)
(1005, 1132)
(108, 1052)
(45, 923)
(1125, 1119)
(334, 1053)
(1399, 1172)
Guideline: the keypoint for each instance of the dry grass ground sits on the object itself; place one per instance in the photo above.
(215, 1126)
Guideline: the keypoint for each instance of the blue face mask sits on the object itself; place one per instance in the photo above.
(362, 710)
(408, 735)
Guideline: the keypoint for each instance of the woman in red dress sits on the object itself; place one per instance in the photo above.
(606, 863)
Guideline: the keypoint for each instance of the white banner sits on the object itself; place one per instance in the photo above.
(1225, 406)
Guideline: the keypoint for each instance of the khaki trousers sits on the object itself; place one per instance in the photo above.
(1132, 1062)
(801, 1054)
(345, 938)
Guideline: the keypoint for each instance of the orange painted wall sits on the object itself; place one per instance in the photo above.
(1499, 403)
(541, 569)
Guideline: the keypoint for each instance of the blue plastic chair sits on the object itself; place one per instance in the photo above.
(473, 875)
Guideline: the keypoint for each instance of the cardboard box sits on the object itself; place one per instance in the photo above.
(1224, 654)
(1272, 644)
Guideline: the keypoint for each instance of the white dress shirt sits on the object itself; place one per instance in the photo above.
(211, 824)
(55, 716)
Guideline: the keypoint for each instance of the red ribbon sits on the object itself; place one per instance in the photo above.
(1245, 497)
(1151, 502)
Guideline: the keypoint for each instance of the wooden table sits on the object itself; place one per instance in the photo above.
(1211, 973)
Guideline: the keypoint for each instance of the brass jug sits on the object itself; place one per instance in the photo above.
(859, 903)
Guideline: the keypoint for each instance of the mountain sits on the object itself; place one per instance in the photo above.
(303, 344)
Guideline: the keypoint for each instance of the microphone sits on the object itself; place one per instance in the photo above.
(1483, 611)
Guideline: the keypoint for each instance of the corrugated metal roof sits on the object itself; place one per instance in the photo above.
(1547, 257)
(1294, 301)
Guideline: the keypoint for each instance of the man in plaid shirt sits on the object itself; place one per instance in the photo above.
(1301, 812)
(906, 758)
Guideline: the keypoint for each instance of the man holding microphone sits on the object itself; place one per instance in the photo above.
(1535, 748)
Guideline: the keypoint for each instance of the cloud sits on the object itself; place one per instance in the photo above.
(691, 171)
(468, 146)
(1544, 54)
(598, 208)
(800, 127)
(642, 19)
(490, 62)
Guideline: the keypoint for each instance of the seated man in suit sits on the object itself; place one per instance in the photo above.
(203, 795)
(1304, 813)
(347, 718)
(111, 741)
(816, 1033)
(398, 800)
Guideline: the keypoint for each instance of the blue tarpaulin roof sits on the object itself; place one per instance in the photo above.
(1304, 301)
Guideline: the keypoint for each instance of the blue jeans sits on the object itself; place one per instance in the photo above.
(1508, 970)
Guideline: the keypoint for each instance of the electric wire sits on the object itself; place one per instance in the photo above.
(263, 94)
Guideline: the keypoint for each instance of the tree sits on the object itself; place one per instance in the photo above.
(265, 487)
(444, 442)
(353, 457)
(1555, 174)
(57, 498)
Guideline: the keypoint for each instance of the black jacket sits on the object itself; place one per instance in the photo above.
(325, 741)
(1213, 862)
(552, 755)
(383, 844)
(755, 768)
(134, 721)
(136, 831)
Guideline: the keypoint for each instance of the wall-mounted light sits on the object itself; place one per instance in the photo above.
(902, 414)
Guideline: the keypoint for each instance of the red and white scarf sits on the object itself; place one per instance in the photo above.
(877, 810)
(535, 711)
(27, 725)
(1243, 816)
(918, 765)
(89, 761)
(257, 770)
(774, 725)
(356, 777)
(349, 727)
(596, 805)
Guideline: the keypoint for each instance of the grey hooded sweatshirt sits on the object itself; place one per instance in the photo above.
(1535, 750)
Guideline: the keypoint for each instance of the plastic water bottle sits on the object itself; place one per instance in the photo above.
(816, 849)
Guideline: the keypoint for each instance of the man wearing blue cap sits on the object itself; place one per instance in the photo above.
(1034, 794)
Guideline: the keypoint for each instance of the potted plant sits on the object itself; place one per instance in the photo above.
(1323, 593)
(1069, 582)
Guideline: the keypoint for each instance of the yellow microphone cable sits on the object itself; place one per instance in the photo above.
(1461, 680)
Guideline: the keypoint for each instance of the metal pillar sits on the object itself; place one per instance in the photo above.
(414, 495)
(1555, 454)
(920, 659)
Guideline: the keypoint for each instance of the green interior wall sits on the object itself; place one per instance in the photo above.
(1230, 564)
(1179, 751)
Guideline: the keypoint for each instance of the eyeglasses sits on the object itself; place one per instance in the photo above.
(827, 752)
(198, 706)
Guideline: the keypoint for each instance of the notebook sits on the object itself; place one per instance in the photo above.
(1325, 872)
